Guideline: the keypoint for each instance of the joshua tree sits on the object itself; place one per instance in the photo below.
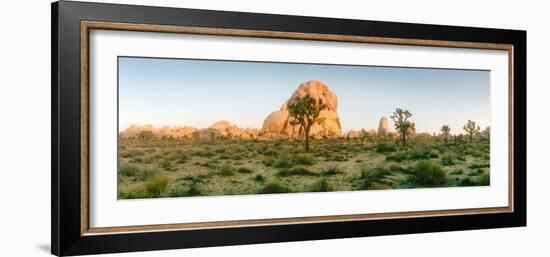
(402, 124)
(304, 112)
(445, 130)
(471, 128)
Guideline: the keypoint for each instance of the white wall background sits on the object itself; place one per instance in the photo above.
(25, 127)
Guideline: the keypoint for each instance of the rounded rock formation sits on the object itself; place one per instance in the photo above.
(327, 125)
(382, 127)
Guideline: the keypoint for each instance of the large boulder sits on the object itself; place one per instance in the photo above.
(327, 125)
(382, 127)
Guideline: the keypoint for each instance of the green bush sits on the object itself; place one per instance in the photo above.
(479, 165)
(383, 147)
(180, 157)
(130, 154)
(282, 163)
(273, 188)
(304, 159)
(330, 171)
(369, 176)
(157, 186)
(395, 167)
(448, 159)
(418, 154)
(135, 173)
(484, 180)
(226, 170)
(167, 165)
(428, 172)
(398, 157)
(244, 170)
(259, 178)
(322, 185)
(129, 171)
(300, 171)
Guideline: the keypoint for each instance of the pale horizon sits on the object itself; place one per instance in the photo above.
(197, 93)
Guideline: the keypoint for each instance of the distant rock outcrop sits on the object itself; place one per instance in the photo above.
(352, 134)
(382, 127)
(218, 130)
(327, 125)
(173, 132)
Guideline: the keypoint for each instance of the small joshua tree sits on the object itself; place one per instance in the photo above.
(402, 124)
(471, 128)
(304, 112)
(445, 130)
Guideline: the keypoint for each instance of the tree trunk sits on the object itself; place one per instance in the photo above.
(307, 138)
(403, 139)
(471, 138)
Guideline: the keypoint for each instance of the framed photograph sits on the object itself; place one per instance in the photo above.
(178, 128)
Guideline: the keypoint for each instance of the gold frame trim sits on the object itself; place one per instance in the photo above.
(86, 26)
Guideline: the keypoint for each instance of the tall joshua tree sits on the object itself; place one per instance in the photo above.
(445, 130)
(402, 123)
(305, 111)
(471, 128)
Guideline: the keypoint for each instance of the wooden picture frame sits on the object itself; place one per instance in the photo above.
(71, 25)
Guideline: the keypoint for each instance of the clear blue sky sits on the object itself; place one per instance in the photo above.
(177, 92)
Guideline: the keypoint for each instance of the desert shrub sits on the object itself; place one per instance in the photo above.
(167, 165)
(220, 150)
(269, 152)
(457, 172)
(129, 171)
(259, 178)
(434, 154)
(204, 153)
(448, 159)
(226, 170)
(180, 157)
(223, 157)
(136, 160)
(418, 154)
(300, 171)
(273, 187)
(394, 167)
(191, 190)
(130, 154)
(398, 157)
(304, 159)
(479, 165)
(337, 158)
(383, 147)
(135, 173)
(322, 185)
(330, 171)
(157, 186)
(484, 180)
(368, 176)
(209, 164)
(282, 163)
(467, 181)
(427, 172)
(244, 170)
(461, 158)
(194, 190)
(132, 193)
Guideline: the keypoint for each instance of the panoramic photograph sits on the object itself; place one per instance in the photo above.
(190, 128)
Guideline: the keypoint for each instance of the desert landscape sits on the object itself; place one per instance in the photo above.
(300, 148)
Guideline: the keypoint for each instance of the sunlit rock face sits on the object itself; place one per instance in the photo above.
(327, 125)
